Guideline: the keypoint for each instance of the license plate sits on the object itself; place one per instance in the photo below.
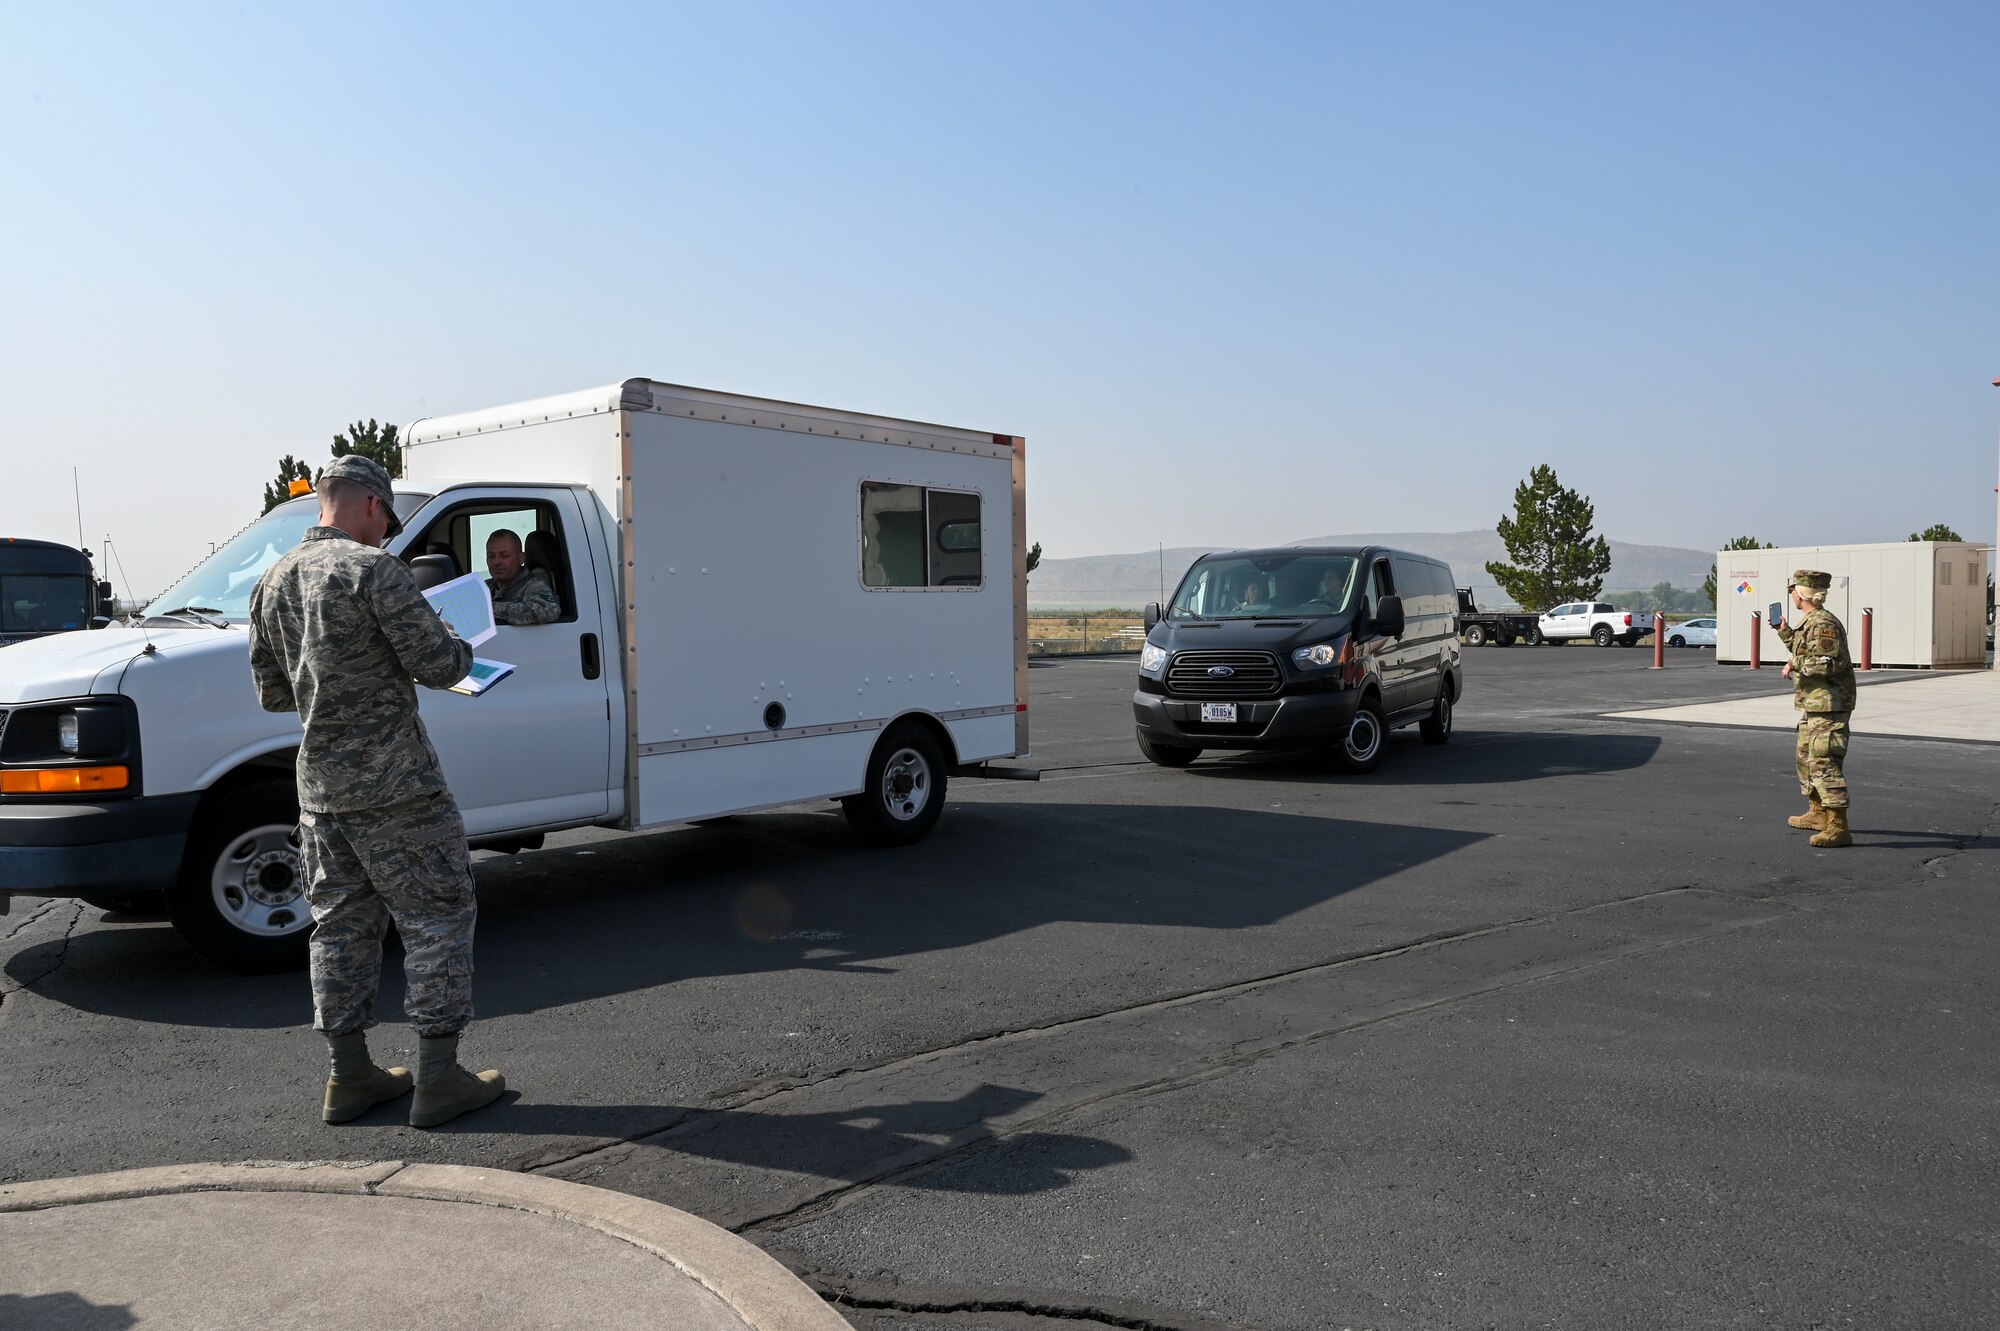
(1224, 712)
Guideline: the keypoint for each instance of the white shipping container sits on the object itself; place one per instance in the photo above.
(1929, 599)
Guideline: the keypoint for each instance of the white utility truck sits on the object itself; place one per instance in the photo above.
(763, 603)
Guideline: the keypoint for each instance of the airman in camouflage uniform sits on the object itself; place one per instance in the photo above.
(338, 633)
(1822, 675)
(520, 595)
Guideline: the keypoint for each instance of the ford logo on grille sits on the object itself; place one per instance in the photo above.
(1222, 672)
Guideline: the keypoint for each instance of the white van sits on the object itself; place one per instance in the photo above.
(763, 603)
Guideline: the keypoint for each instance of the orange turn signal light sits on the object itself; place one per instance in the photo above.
(63, 780)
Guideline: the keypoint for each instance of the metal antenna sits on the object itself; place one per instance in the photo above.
(77, 485)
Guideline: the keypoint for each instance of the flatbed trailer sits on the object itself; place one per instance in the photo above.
(1479, 627)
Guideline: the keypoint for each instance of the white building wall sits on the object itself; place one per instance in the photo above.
(1929, 599)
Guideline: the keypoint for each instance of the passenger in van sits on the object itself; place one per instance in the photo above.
(1255, 597)
(521, 595)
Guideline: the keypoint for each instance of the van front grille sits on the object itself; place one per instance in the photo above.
(1250, 675)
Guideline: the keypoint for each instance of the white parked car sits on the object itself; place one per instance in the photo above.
(1694, 633)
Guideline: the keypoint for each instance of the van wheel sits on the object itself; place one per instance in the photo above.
(1166, 755)
(1601, 635)
(1475, 636)
(903, 792)
(1360, 749)
(1436, 728)
(241, 899)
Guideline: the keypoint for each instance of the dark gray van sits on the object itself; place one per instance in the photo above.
(1304, 648)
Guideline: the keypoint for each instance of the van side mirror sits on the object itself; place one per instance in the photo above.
(1389, 617)
(1152, 615)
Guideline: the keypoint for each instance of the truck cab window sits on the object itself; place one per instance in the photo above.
(466, 535)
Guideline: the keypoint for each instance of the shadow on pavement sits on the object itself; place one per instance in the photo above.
(63, 1312)
(1472, 758)
(792, 891)
(848, 1146)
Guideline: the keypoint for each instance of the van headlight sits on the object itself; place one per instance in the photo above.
(1316, 656)
(1152, 659)
(66, 733)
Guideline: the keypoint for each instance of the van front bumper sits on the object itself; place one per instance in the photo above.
(66, 850)
(1299, 721)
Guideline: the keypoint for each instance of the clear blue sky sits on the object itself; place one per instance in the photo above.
(1241, 273)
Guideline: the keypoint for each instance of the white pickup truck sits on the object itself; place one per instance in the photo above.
(1602, 623)
(762, 604)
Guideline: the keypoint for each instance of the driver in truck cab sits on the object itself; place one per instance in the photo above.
(521, 595)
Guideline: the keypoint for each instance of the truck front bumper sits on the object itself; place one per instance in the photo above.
(1300, 721)
(66, 850)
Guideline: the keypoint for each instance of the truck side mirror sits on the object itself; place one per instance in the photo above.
(1152, 615)
(1389, 617)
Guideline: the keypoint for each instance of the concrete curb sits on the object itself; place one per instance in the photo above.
(753, 1285)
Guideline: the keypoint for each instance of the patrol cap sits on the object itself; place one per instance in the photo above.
(371, 476)
(1812, 579)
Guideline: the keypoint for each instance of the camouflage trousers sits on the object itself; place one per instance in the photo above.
(1821, 755)
(404, 862)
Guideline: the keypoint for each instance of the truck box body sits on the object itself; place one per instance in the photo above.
(742, 584)
(1929, 599)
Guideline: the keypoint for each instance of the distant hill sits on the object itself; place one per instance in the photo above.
(1097, 581)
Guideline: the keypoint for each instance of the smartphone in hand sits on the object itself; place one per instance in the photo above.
(1775, 613)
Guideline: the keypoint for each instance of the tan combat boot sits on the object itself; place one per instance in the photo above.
(444, 1089)
(457, 1092)
(1834, 832)
(1814, 817)
(352, 1096)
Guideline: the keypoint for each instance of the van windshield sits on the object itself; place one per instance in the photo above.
(1268, 587)
(221, 584)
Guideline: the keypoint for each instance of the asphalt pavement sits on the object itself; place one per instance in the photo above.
(1557, 1025)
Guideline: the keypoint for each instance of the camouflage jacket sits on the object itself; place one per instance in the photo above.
(528, 599)
(1822, 671)
(337, 633)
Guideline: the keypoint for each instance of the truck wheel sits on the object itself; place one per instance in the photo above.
(1436, 728)
(1533, 637)
(1166, 755)
(903, 793)
(1360, 749)
(1601, 635)
(1475, 636)
(241, 899)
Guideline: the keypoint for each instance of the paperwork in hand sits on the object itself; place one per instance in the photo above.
(485, 674)
(466, 605)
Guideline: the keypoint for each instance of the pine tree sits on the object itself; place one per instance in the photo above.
(376, 442)
(1549, 539)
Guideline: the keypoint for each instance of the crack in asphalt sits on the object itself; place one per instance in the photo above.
(62, 951)
(30, 918)
(842, 1297)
